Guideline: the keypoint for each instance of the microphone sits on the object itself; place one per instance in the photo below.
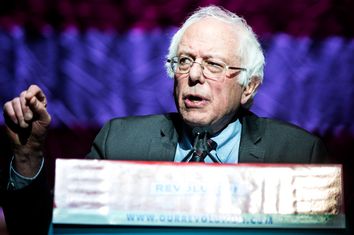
(201, 147)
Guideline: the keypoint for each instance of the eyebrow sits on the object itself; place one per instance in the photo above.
(206, 56)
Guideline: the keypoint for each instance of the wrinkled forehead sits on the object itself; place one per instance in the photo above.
(210, 37)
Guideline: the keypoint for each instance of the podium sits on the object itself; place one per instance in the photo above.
(124, 197)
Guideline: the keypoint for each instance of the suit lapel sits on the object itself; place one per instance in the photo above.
(252, 132)
(163, 147)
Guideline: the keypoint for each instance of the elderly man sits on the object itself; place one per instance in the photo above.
(217, 65)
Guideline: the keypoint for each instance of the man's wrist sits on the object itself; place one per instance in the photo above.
(17, 180)
(27, 162)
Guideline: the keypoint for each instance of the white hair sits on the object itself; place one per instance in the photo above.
(249, 50)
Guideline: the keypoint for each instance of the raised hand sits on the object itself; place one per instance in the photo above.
(27, 121)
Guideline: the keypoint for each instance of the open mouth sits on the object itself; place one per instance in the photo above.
(195, 101)
(194, 98)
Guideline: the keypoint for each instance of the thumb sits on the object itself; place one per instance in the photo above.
(39, 109)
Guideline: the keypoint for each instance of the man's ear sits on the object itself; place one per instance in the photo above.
(249, 90)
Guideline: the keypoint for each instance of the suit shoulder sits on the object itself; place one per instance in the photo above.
(282, 141)
(141, 119)
(144, 122)
(286, 129)
(269, 126)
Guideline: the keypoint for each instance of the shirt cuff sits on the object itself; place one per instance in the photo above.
(18, 181)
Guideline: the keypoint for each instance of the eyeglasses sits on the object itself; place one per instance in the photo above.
(211, 69)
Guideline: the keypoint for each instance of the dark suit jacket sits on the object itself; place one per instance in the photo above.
(154, 138)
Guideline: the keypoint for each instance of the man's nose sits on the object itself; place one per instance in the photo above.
(196, 72)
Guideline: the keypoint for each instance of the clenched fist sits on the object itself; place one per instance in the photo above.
(27, 121)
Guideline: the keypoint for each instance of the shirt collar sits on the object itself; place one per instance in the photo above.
(221, 138)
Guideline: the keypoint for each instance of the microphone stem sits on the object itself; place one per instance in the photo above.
(215, 159)
(188, 157)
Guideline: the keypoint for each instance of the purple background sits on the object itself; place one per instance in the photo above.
(99, 59)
